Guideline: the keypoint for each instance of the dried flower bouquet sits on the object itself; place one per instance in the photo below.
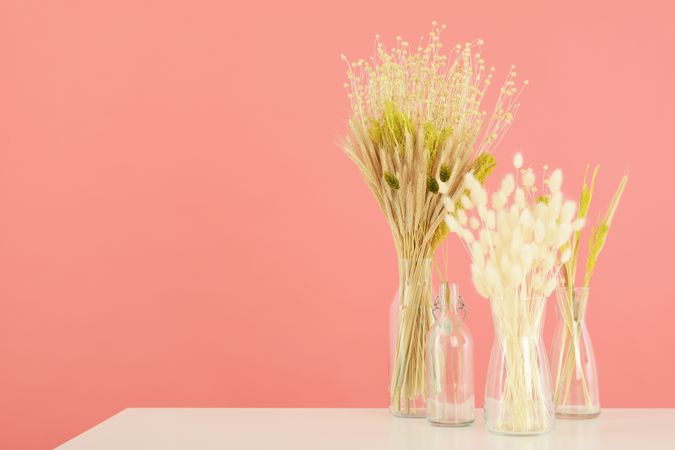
(576, 393)
(514, 238)
(416, 129)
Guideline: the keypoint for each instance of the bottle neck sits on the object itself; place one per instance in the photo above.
(449, 300)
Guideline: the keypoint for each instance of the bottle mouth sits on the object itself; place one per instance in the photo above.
(573, 301)
(575, 288)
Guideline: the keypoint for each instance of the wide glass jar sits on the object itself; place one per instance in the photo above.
(518, 397)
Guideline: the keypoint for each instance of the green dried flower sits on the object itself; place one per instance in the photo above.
(392, 181)
(445, 173)
(432, 185)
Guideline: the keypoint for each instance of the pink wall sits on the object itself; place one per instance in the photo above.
(179, 227)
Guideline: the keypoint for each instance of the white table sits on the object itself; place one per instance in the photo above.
(353, 429)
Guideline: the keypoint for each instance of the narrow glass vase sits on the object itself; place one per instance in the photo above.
(576, 378)
(450, 399)
(518, 397)
(410, 319)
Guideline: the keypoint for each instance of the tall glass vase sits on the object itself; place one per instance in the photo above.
(409, 323)
(518, 397)
(576, 379)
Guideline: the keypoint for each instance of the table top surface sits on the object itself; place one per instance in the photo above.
(351, 429)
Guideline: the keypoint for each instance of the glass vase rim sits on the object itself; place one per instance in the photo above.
(576, 288)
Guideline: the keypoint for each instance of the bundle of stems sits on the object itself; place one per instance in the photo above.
(572, 309)
(524, 403)
(416, 129)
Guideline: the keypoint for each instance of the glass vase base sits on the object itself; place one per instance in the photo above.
(451, 424)
(529, 424)
(450, 414)
(417, 414)
(573, 413)
(518, 433)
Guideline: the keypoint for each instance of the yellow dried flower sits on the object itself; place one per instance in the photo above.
(595, 243)
(599, 235)
(391, 180)
(483, 166)
(587, 193)
(439, 235)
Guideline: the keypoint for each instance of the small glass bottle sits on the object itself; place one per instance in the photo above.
(450, 396)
